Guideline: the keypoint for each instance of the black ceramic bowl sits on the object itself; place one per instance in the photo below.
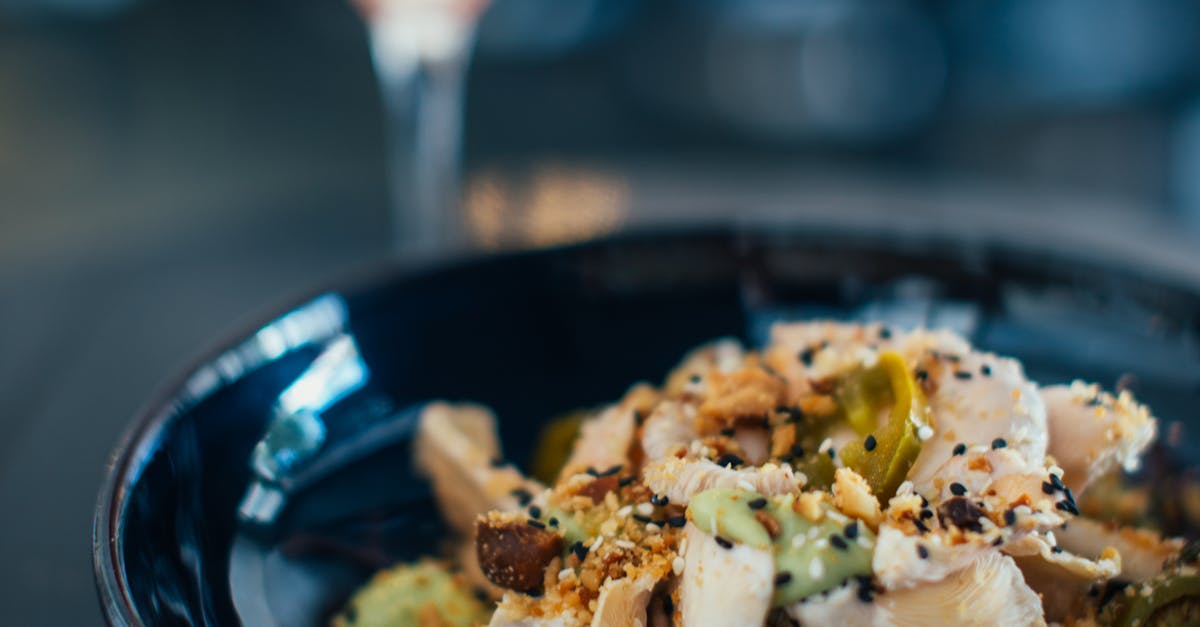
(577, 325)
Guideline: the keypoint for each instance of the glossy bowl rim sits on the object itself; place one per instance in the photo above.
(138, 440)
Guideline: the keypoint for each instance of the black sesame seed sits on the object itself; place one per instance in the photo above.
(1112, 588)
(985, 370)
(1070, 496)
(922, 552)
(797, 450)
(1094, 591)
(642, 519)
(885, 333)
(758, 503)
(659, 500)
(535, 523)
(958, 489)
(625, 481)
(1094, 401)
(611, 471)
(806, 356)
(831, 452)
(1057, 481)
(1068, 507)
(953, 358)
(865, 593)
(959, 449)
(1056, 550)
(962, 514)
(592, 471)
(783, 578)
(695, 378)
(921, 374)
(920, 525)
(668, 606)
(639, 417)
(998, 541)
(926, 514)
(677, 521)
(999, 443)
(1048, 488)
(723, 543)
(962, 375)
(851, 530)
(869, 443)
(729, 460)
(728, 432)
(838, 542)
(553, 521)
(924, 502)
(535, 511)
(523, 496)
(1010, 517)
(580, 550)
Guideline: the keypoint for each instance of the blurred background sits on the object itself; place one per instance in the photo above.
(171, 170)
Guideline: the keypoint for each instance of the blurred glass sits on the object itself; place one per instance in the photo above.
(421, 50)
(1063, 54)
(786, 72)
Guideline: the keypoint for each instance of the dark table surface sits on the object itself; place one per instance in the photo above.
(163, 179)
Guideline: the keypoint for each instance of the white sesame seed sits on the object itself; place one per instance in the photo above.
(816, 568)
(925, 432)
(677, 565)
(864, 541)
(624, 511)
(745, 485)
(596, 544)
(683, 547)
(625, 544)
(798, 540)
(645, 509)
(565, 573)
(825, 445)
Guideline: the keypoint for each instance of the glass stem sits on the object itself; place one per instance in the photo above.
(422, 82)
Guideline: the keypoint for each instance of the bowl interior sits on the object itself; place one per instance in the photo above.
(535, 334)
